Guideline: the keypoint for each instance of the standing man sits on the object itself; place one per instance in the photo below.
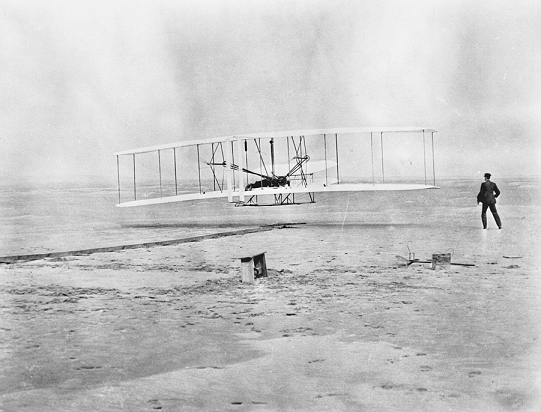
(487, 196)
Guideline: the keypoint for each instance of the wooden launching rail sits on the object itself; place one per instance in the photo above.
(39, 256)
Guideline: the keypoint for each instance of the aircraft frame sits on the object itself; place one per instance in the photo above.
(228, 162)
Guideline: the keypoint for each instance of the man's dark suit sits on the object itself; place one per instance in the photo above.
(487, 195)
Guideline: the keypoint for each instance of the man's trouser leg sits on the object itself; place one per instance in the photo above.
(484, 215)
(496, 216)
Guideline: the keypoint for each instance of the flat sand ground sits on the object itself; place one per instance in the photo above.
(339, 324)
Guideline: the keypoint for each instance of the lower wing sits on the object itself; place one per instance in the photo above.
(343, 187)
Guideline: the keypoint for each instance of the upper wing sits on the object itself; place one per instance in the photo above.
(175, 145)
(284, 134)
(339, 130)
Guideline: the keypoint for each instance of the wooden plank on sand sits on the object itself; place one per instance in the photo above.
(38, 256)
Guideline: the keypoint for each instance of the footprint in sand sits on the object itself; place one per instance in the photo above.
(155, 403)
(208, 367)
(88, 367)
(331, 394)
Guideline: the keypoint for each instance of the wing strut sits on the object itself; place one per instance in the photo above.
(298, 155)
(433, 164)
(261, 161)
(325, 145)
(118, 175)
(258, 146)
(372, 155)
(337, 163)
(175, 161)
(134, 187)
(382, 167)
(272, 155)
(424, 153)
(246, 154)
(160, 171)
(298, 165)
(304, 144)
(199, 169)
(233, 162)
(229, 175)
(212, 164)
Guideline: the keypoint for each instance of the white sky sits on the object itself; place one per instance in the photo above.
(81, 80)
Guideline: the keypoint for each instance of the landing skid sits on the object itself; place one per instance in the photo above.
(279, 200)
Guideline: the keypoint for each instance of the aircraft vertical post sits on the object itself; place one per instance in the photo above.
(337, 162)
(424, 153)
(175, 161)
(229, 172)
(326, 170)
(134, 187)
(212, 161)
(433, 162)
(160, 171)
(199, 169)
(272, 155)
(118, 176)
(246, 157)
(304, 144)
(372, 156)
(233, 162)
(241, 167)
(382, 167)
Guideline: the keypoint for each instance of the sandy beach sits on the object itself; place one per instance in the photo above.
(203, 121)
(340, 323)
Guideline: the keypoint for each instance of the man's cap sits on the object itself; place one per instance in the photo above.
(487, 175)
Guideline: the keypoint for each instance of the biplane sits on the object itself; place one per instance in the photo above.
(287, 167)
